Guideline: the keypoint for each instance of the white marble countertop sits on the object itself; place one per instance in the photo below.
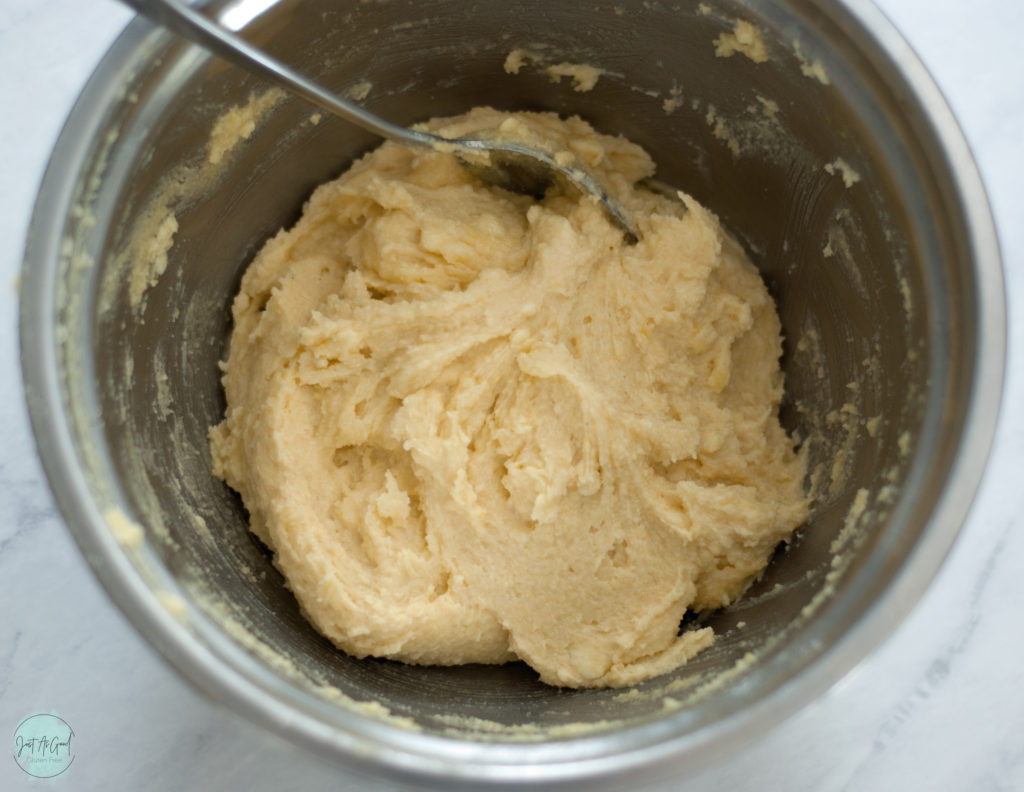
(939, 707)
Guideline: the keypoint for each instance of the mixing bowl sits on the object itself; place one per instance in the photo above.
(830, 155)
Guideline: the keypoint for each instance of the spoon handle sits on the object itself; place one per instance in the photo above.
(199, 29)
(508, 164)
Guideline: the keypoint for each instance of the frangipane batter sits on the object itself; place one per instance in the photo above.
(475, 427)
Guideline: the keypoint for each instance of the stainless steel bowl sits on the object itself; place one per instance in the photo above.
(885, 267)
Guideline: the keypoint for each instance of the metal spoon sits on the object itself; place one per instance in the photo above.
(506, 164)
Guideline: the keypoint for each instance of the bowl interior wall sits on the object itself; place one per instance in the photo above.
(849, 339)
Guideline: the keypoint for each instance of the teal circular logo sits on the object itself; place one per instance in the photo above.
(43, 745)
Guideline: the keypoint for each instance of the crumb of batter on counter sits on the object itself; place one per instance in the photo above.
(744, 39)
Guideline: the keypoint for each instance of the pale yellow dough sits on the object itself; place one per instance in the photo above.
(473, 427)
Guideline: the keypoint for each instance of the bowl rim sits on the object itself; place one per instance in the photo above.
(226, 674)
